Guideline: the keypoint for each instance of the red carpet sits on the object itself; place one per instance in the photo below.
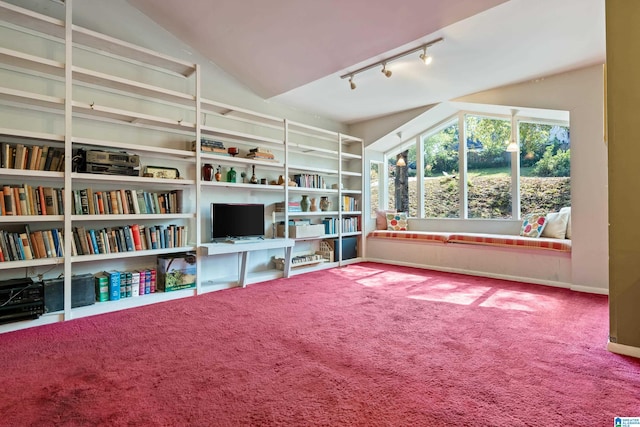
(365, 345)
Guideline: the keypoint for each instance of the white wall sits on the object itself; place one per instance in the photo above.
(580, 92)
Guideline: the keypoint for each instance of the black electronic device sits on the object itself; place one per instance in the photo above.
(21, 299)
(237, 220)
(106, 162)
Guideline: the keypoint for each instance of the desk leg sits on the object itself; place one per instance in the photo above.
(287, 260)
(243, 269)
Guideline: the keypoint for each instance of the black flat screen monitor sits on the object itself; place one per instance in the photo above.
(237, 220)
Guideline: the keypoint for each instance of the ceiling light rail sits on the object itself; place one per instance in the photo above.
(427, 59)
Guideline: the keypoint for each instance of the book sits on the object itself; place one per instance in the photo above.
(128, 238)
(142, 204)
(94, 241)
(135, 283)
(22, 197)
(152, 280)
(102, 287)
(26, 246)
(114, 284)
(128, 283)
(50, 201)
(137, 240)
(43, 157)
(141, 283)
(8, 200)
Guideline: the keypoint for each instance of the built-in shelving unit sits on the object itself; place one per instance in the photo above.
(98, 93)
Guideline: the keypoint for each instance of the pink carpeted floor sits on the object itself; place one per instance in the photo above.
(364, 345)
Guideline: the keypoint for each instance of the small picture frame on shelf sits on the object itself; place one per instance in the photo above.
(161, 172)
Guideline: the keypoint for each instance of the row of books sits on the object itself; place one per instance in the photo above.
(32, 157)
(125, 201)
(349, 204)
(309, 180)
(26, 245)
(128, 238)
(349, 225)
(293, 207)
(28, 200)
(115, 285)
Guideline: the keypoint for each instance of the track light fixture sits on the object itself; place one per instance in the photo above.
(427, 59)
(352, 83)
(386, 72)
(512, 146)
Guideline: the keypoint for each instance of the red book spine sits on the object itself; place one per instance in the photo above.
(152, 285)
(135, 231)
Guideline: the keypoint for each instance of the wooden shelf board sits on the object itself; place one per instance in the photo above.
(149, 151)
(113, 82)
(254, 187)
(240, 137)
(124, 49)
(93, 177)
(26, 134)
(31, 263)
(30, 218)
(129, 217)
(33, 20)
(30, 98)
(130, 254)
(31, 62)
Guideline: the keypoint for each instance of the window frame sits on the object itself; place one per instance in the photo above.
(417, 140)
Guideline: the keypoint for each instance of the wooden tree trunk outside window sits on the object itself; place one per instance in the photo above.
(402, 184)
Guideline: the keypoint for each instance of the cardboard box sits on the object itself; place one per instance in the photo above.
(83, 292)
(300, 231)
(176, 271)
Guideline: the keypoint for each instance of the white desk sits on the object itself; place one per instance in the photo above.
(208, 249)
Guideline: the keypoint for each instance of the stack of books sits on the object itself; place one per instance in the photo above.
(293, 207)
(210, 146)
(260, 153)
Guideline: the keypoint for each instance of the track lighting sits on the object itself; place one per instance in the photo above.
(427, 59)
(386, 72)
(352, 83)
(513, 146)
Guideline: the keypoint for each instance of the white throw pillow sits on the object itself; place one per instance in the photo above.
(556, 227)
(567, 209)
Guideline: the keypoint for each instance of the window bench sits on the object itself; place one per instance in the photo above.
(535, 260)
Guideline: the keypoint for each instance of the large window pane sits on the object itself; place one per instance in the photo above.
(441, 160)
(545, 159)
(488, 167)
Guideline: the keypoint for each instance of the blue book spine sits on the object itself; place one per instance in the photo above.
(114, 285)
(147, 282)
(161, 243)
(56, 242)
(94, 241)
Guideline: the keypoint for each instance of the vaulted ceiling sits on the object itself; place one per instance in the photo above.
(294, 51)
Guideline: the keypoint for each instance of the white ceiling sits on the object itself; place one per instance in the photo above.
(294, 51)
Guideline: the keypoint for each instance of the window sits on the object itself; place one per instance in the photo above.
(545, 167)
(488, 182)
(441, 166)
(489, 177)
(375, 175)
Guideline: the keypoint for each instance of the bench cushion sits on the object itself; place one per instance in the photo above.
(504, 240)
(562, 245)
(429, 236)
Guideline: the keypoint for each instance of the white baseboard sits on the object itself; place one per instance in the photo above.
(585, 289)
(625, 350)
